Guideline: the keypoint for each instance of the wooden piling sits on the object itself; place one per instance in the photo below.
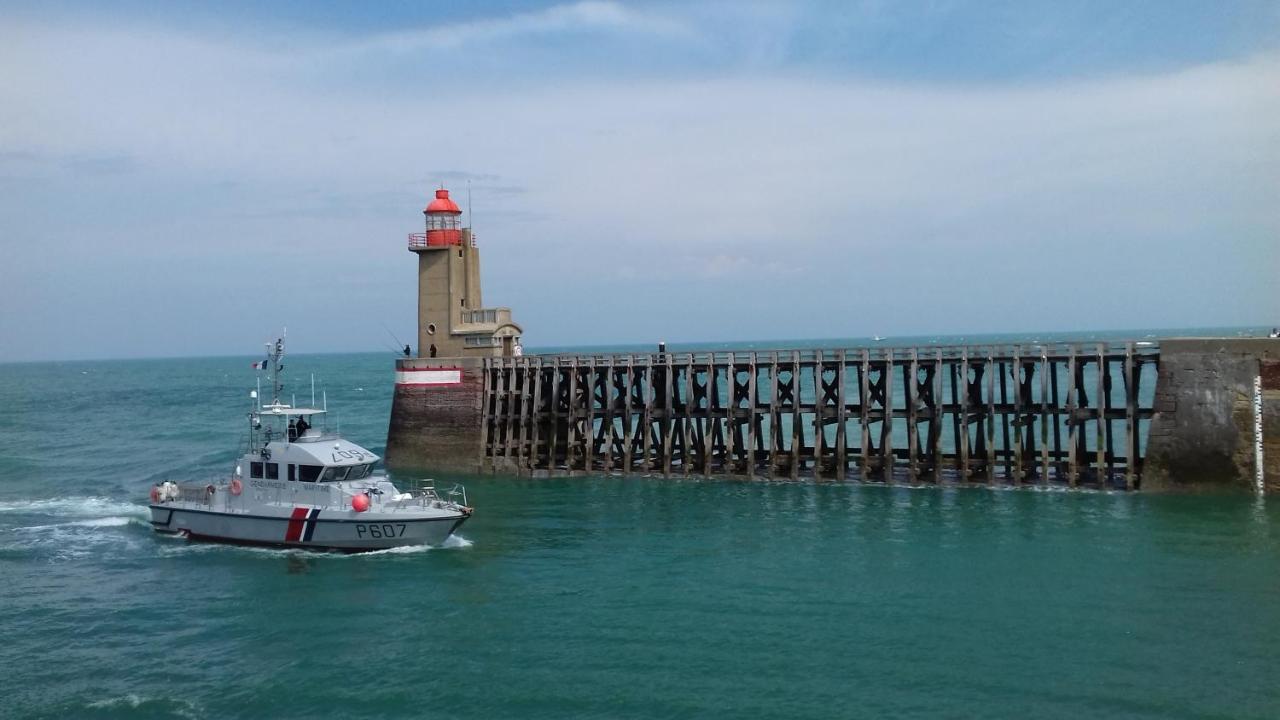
(864, 411)
(1130, 418)
(709, 422)
(936, 455)
(1073, 418)
(819, 415)
(965, 472)
(1019, 415)
(1100, 413)
(886, 428)
(573, 438)
(686, 420)
(842, 418)
(911, 389)
(754, 405)
(797, 426)
(990, 423)
(1045, 417)
(669, 427)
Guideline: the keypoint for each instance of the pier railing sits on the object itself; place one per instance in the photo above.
(1051, 414)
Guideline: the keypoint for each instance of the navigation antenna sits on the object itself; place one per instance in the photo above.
(471, 220)
(273, 357)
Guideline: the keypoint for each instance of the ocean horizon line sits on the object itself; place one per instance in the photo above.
(965, 338)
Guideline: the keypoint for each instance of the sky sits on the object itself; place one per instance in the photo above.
(186, 179)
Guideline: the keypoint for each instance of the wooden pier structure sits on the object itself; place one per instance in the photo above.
(1050, 415)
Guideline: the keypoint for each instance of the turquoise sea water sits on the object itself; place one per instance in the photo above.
(601, 597)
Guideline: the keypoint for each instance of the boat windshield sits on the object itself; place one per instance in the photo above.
(346, 472)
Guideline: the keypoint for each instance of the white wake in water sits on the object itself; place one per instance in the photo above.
(106, 522)
(456, 541)
(75, 507)
(70, 527)
(134, 703)
(451, 542)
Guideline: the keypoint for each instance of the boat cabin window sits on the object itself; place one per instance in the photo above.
(255, 469)
(309, 473)
(273, 471)
(334, 474)
(360, 471)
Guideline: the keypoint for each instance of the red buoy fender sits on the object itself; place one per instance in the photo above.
(236, 486)
(155, 494)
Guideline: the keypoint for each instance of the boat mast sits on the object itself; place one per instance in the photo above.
(275, 354)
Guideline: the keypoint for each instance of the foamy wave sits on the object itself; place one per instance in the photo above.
(401, 550)
(130, 701)
(72, 540)
(82, 526)
(75, 507)
(183, 546)
(451, 542)
(456, 541)
(133, 701)
(106, 522)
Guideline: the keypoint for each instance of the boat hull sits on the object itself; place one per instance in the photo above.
(308, 528)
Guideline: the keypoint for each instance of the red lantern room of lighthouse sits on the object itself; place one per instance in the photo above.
(444, 222)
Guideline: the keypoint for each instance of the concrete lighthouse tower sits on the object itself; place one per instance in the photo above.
(452, 321)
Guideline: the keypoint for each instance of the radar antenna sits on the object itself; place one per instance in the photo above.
(274, 354)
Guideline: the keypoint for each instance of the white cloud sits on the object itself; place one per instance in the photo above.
(978, 193)
(572, 17)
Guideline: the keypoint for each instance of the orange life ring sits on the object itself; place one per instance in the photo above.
(236, 486)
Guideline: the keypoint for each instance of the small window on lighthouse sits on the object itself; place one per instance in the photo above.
(431, 328)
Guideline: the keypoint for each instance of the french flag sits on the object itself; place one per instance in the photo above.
(259, 365)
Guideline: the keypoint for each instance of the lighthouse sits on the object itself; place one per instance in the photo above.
(452, 320)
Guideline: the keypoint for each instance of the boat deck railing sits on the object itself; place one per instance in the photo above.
(316, 436)
(423, 494)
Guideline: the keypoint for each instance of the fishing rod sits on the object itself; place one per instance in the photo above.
(393, 335)
(401, 348)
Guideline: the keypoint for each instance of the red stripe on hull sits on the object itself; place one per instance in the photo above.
(296, 521)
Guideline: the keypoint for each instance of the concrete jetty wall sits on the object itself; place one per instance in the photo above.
(1203, 433)
(435, 415)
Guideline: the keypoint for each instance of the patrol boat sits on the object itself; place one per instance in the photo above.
(306, 487)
